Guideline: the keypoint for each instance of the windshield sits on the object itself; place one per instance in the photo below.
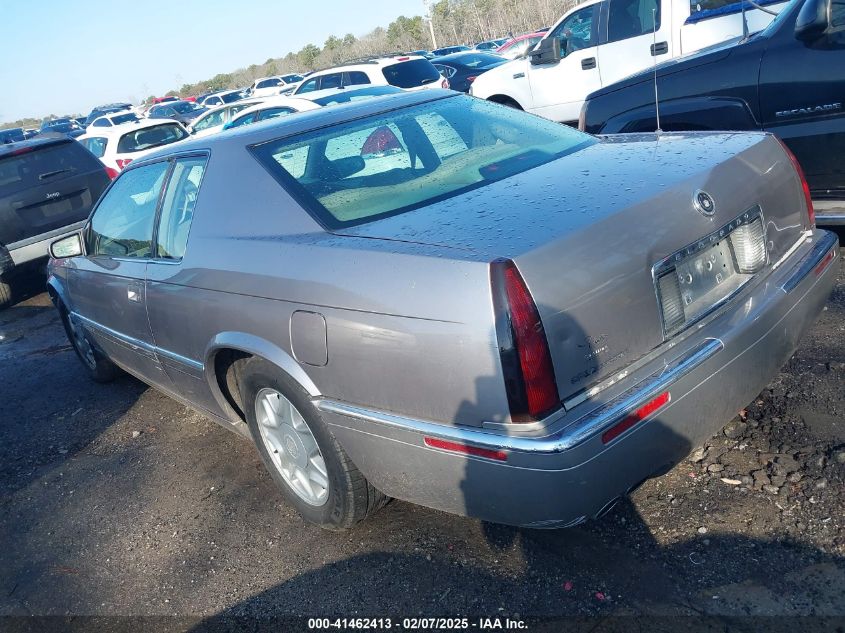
(149, 137)
(124, 118)
(391, 163)
(774, 25)
(230, 97)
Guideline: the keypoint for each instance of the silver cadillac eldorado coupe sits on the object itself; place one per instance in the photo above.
(439, 299)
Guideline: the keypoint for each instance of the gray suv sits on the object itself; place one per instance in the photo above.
(441, 299)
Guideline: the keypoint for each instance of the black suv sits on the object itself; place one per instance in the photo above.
(47, 187)
(787, 79)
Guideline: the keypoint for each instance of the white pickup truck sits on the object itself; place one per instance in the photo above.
(600, 42)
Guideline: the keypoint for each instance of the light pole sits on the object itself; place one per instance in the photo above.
(429, 16)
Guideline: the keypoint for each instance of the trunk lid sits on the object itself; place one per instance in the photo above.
(47, 186)
(586, 231)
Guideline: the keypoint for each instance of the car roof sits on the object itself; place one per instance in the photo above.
(306, 121)
(42, 140)
(122, 128)
(457, 57)
(367, 62)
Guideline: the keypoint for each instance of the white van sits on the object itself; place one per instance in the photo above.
(600, 42)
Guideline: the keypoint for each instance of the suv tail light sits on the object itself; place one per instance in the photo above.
(112, 173)
(472, 78)
(811, 213)
(526, 359)
(444, 83)
(122, 162)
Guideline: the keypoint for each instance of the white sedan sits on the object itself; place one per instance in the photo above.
(119, 145)
(285, 105)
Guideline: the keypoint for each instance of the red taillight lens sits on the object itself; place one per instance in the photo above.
(122, 162)
(465, 449)
(444, 83)
(639, 415)
(811, 212)
(472, 78)
(112, 173)
(524, 350)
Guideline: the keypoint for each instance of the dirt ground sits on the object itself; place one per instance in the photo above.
(115, 500)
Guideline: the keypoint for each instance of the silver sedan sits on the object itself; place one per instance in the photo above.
(436, 298)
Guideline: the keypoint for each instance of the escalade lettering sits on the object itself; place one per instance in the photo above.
(828, 107)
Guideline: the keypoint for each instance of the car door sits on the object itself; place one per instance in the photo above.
(558, 89)
(631, 45)
(802, 100)
(171, 301)
(107, 284)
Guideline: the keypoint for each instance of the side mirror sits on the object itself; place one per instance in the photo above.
(69, 246)
(813, 20)
(546, 52)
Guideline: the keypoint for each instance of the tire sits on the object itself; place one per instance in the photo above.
(5, 293)
(339, 494)
(99, 368)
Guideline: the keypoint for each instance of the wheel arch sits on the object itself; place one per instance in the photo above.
(224, 353)
(505, 100)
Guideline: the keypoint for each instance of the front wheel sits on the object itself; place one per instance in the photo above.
(100, 368)
(300, 452)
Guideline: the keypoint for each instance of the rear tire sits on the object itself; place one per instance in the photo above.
(99, 368)
(301, 454)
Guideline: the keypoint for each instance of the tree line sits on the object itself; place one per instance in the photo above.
(454, 22)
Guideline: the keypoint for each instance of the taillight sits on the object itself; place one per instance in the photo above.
(472, 78)
(811, 212)
(112, 173)
(644, 412)
(523, 348)
(122, 162)
(444, 83)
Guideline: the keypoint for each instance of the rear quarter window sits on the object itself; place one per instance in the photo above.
(411, 74)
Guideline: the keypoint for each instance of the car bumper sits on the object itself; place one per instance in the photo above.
(829, 212)
(571, 474)
(38, 246)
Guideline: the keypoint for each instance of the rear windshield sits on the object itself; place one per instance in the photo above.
(229, 98)
(42, 165)
(477, 60)
(183, 106)
(149, 137)
(411, 74)
(371, 168)
(347, 96)
(124, 118)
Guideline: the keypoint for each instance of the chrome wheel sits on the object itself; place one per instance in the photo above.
(292, 447)
(80, 341)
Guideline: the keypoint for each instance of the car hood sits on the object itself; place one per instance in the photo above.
(708, 55)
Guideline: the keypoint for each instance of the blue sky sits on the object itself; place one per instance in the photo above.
(63, 56)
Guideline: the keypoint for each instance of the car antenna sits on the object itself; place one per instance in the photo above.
(654, 50)
(744, 21)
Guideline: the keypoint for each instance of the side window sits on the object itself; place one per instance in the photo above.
(272, 113)
(213, 101)
(211, 120)
(837, 16)
(309, 86)
(355, 78)
(122, 225)
(101, 123)
(331, 81)
(630, 18)
(95, 145)
(576, 31)
(177, 210)
(245, 119)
